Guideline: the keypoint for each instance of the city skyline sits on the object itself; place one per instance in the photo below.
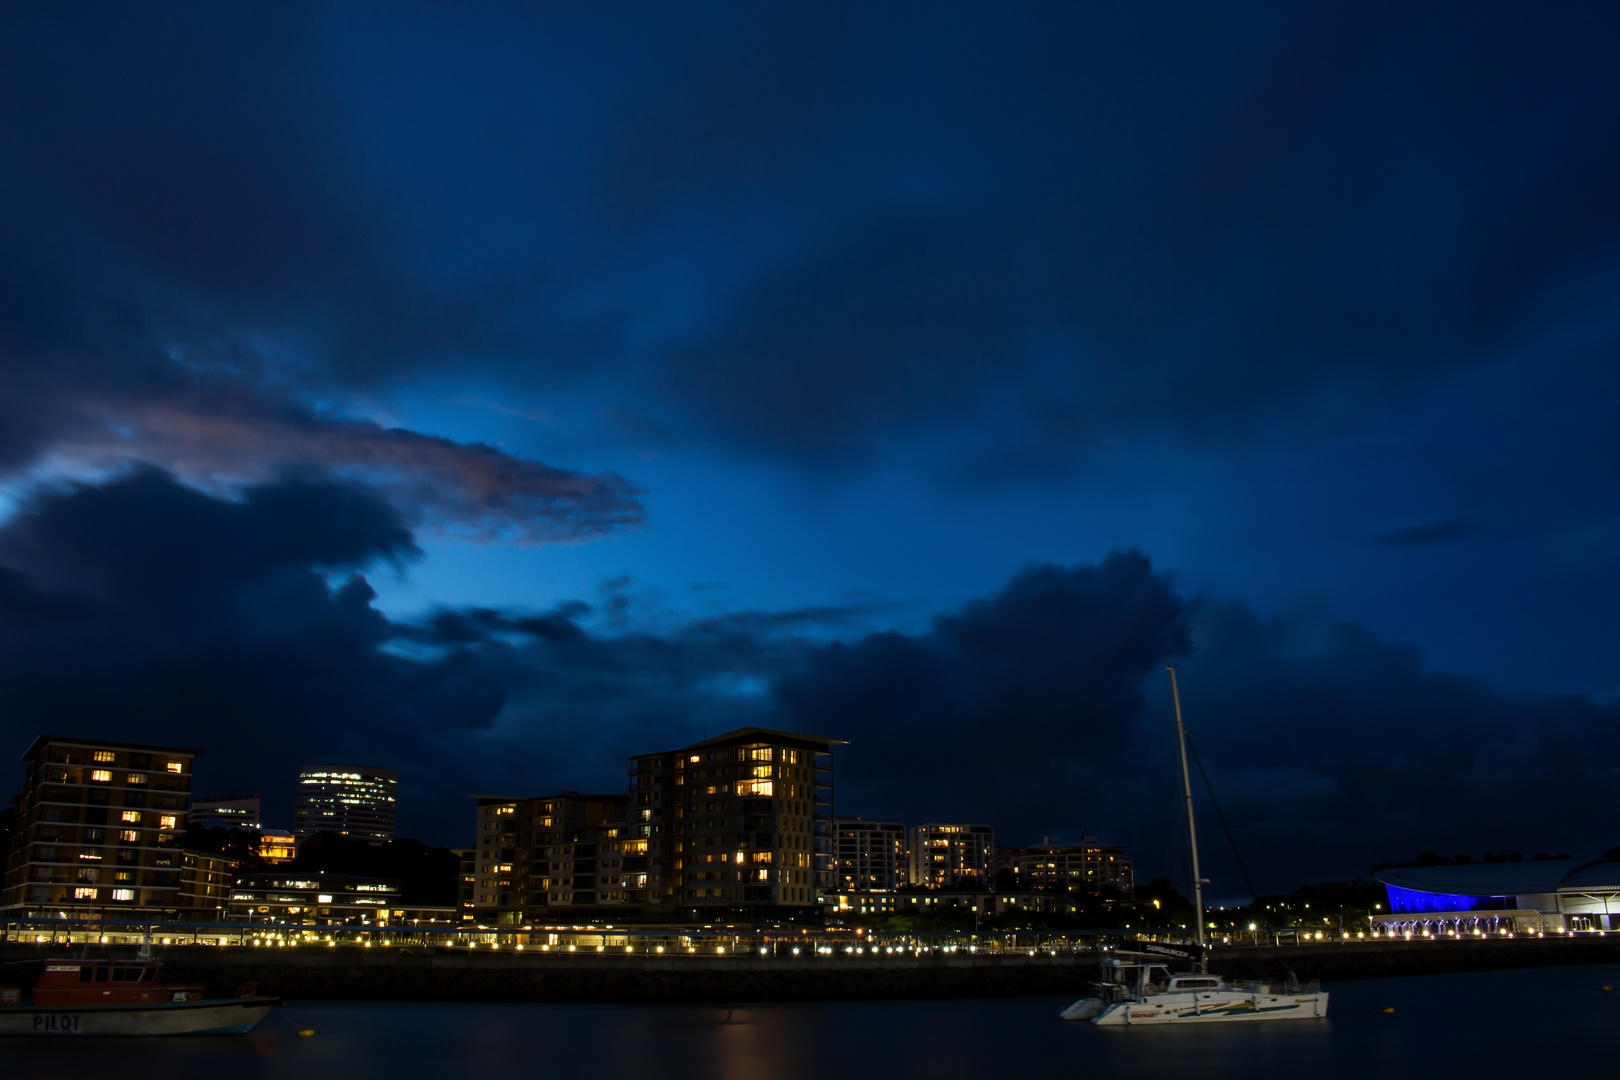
(491, 394)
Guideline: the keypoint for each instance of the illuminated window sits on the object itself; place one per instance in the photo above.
(174, 766)
(129, 836)
(84, 894)
(133, 816)
(102, 755)
(135, 778)
(166, 821)
(123, 894)
(101, 776)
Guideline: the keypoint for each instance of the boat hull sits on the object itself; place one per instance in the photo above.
(216, 1017)
(1215, 1009)
(1084, 1009)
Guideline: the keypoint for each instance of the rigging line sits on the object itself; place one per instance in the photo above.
(1222, 818)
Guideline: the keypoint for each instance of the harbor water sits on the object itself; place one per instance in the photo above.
(1482, 1024)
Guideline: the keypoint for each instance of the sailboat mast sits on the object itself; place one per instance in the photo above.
(1192, 827)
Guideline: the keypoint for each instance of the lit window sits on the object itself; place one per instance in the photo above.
(132, 816)
(84, 894)
(135, 778)
(166, 821)
(123, 894)
(102, 755)
(101, 776)
(174, 766)
(129, 836)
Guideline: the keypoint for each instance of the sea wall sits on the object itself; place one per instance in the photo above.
(407, 974)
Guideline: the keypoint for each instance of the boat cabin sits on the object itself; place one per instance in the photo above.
(89, 982)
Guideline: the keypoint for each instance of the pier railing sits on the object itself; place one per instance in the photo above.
(673, 941)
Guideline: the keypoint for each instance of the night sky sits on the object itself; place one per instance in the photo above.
(492, 392)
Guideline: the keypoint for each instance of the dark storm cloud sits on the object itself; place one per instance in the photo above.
(1434, 532)
(245, 626)
(145, 609)
(803, 233)
(183, 269)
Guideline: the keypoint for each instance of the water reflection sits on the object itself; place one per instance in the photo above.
(1441, 1025)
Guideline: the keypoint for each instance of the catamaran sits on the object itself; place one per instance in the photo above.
(1140, 986)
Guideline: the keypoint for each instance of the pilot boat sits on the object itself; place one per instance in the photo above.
(1139, 986)
(117, 997)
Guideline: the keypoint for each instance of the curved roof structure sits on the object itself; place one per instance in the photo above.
(1506, 878)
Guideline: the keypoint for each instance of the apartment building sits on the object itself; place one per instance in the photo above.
(1089, 866)
(206, 881)
(738, 827)
(556, 856)
(98, 829)
(352, 800)
(872, 856)
(949, 856)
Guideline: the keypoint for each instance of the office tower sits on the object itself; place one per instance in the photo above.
(352, 800)
(871, 856)
(98, 828)
(949, 856)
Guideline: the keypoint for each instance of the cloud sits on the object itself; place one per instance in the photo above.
(470, 490)
(1435, 532)
(809, 236)
(245, 625)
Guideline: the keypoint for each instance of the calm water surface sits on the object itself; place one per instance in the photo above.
(1546, 1020)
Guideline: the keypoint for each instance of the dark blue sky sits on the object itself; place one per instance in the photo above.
(489, 392)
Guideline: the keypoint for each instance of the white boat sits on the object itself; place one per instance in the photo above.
(1137, 990)
(1138, 986)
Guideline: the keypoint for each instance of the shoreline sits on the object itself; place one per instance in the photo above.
(443, 974)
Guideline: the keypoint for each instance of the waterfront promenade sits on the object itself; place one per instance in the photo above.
(988, 967)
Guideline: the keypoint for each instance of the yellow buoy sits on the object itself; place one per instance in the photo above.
(1387, 1008)
(306, 1032)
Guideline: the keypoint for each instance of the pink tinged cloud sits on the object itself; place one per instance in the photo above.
(471, 491)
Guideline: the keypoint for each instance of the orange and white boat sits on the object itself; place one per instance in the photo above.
(117, 997)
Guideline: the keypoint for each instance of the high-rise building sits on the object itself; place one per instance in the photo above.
(871, 856)
(737, 827)
(225, 812)
(1089, 866)
(949, 856)
(351, 800)
(98, 828)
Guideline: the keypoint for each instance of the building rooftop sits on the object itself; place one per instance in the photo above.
(92, 744)
(1504, 878)
(796, 739)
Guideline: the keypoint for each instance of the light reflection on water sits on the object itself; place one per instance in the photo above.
(1493, 1023)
